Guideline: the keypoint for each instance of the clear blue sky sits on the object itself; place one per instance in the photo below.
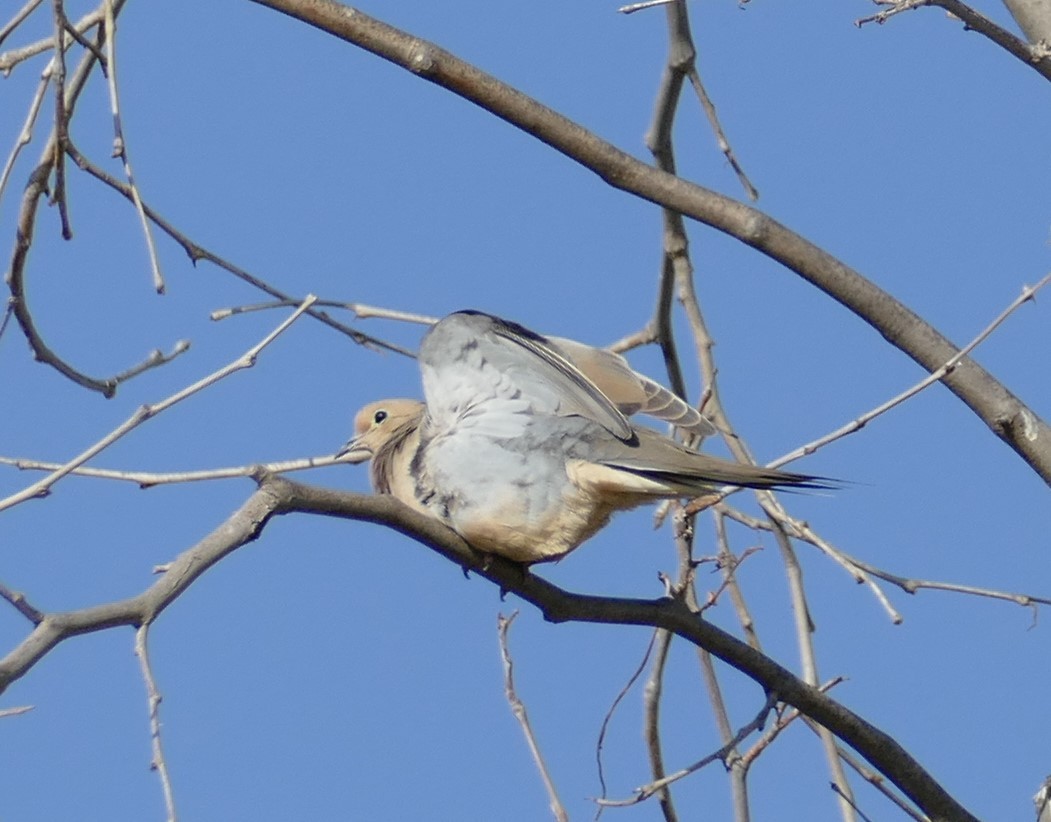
(336, 670)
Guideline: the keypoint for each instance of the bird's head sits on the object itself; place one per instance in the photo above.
(376, 424)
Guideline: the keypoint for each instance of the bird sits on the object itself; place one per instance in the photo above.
(523, 445)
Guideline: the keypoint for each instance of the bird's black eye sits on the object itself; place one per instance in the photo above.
(380, 417)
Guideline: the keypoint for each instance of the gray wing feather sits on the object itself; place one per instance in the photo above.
(472, 360)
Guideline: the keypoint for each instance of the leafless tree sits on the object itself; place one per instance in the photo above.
(76, 51)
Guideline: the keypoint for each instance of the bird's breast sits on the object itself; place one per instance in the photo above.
(507, 497)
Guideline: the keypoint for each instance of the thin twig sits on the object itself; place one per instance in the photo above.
(651, 710)
(149, 479)
(600, 742)
(784, 719)
(631, 8)
(364, 312)
(34, 191)
(728, 565)
(643, 336)
(720, 135)
(736, 767)
(26, 134)
(644, 792)
(849, 799)
(10, 59)
(859, 569)
(1028, 295)
(155, 359)
(874, 778)
(805, 642)
(58, 192)
(153, 697)
(503, 625)
(197, 252)
(714, 410)
(16, 21)
(884, 15)
(360, 310)
(21, 604)
(735, 763)
(6, 319)
(84, 42)
(1036, 57)
(120, 146)
(146, 412)
(781, 519)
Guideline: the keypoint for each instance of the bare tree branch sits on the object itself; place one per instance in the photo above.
(43, 487)
(646, 791)
(559, 605)
(1028, 295)
(196, 252)
(36, 187)
(600, 742)
(21, 709)
(1036, 56)
(278, 496)
(153, 699)
(19, 16)
(518, 709)
(651, 729)
(149, 479)
(1004, 414)
(120, 145)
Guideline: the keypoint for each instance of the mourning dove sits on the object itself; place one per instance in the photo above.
(520, 450)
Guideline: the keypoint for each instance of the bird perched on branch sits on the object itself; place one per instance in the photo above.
(524, 446)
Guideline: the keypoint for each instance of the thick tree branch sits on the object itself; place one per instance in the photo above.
(558, 605)
(280, 496)
(1004, 413)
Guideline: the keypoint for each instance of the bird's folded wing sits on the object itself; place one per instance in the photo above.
(632, 392)
(476, 362)
(672, 466)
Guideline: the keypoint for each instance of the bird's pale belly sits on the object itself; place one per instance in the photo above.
(504, 499)
(506, 528)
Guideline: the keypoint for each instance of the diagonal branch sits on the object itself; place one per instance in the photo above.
(1002, 412)
(1037, 57)
(518, 708)
(278, 496)
(559, 605)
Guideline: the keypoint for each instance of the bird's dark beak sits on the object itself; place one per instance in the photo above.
(354, 452)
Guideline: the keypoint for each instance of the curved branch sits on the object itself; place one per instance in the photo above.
(997, 407)
(197, 252)
(36, 187)
(280, 496)
(559, 605)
